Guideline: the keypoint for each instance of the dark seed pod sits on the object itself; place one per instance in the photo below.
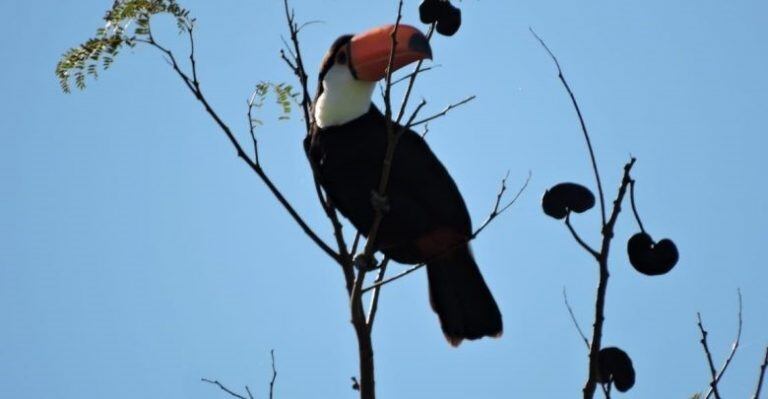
(615, 365)
(450, 21)
(565, 197)
(651, 258)
(431, 10)
(666, 253)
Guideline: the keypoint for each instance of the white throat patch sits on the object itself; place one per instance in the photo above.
(344, 98)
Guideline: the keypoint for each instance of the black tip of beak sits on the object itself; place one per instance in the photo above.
(418, 42)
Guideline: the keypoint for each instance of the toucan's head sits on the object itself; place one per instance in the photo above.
(353, 65)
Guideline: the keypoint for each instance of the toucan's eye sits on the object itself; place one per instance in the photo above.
(341, 58)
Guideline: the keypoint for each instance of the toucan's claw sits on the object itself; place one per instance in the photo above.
(379, 202)
(365, 263)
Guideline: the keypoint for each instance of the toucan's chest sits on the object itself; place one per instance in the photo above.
(355, 147)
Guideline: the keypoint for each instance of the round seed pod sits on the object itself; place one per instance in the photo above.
(615, 365)
(567, 197)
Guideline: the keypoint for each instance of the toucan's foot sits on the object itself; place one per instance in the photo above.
(365, 263)
(379, 202)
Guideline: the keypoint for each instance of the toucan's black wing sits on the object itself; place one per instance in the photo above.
(422, 196)
(419, 175)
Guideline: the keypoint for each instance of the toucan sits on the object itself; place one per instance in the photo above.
(425, 219)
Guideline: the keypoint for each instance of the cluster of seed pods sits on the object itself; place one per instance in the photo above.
(645, 255)
(447, 16)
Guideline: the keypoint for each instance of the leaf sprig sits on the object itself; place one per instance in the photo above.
(284, 97)
(100, 51)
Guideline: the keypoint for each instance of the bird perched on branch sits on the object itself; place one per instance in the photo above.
(425, 219)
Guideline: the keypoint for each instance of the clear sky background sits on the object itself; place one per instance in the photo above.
(138, 254)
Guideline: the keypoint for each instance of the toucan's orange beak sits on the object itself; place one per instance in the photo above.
(370, 50)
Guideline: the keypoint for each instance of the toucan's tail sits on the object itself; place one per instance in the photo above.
(461, 298)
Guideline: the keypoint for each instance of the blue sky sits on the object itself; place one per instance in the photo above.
(138, 254)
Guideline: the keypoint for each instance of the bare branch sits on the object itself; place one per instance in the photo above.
(289, 62)
(443, 112)
(734, 347)
(602, 286)
(194, 86)
(607, 224)
(355, 243)
(411, 81)
(376, 292)
(395, 277)
(362, 328)
(498, 209)
(192, 60)
(297, 66)
(274, 375)
(634, 206)
(426, 130)
(252, 127)
(223, 388)
(415, 113)
(607, 389)
(581, 121)
(712, 370)
(308, 23)
(392, 138)
(412, 74)
(762, 375)
(286, 46)
(573, 318)
(495, 212)
(578, 238)
(298, 69)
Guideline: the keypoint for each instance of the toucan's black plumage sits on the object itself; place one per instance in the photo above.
(426, 220)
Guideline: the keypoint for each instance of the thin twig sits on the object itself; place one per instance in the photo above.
(415, 113)
(252, 128)
(495, 212)
(192, 60)
(578, 238)
(443, 112)
(355, 243)
(300, 71)
(607, 389)
(288, 61)
(634, 207)
(223, 388)
(308, 23)
(581, 121)
(426, 130)
(287, 46)
(734, 347)
(274, 375)
(712, 370)
(297, 66)
(410, 75)
(376, 293)
(411, 81)
(573, 318)
(762, 375)
(498, 209)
